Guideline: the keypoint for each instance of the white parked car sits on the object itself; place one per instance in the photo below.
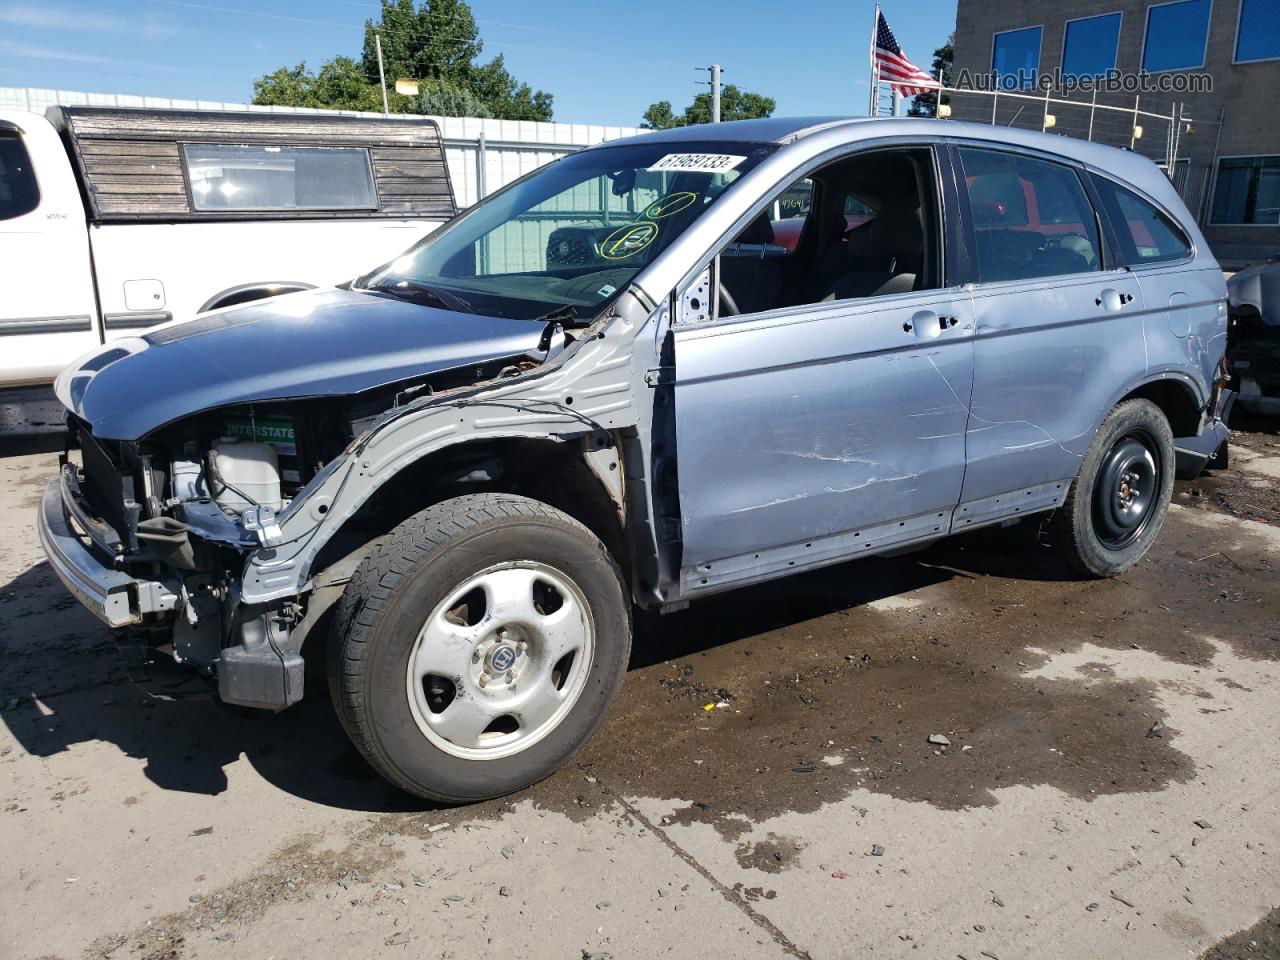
(114, 220)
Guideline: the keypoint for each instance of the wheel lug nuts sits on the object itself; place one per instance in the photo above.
(475, 656)
(511, 675)
(484, 679)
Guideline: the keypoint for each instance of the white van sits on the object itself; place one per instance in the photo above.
(114, 220)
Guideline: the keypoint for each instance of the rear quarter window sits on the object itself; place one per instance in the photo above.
(19, 194)
(1145, 232)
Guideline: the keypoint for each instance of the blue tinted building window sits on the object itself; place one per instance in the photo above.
(1259, 36)
(1015, 57)
(1247, 191)
(1089, 49)
(1176, 36)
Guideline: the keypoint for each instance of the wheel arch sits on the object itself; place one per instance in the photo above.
(1177, 397)
(568, 474)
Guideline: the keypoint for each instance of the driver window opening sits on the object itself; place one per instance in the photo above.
(865, 226)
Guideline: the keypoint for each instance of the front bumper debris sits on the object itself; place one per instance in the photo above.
(113, 596)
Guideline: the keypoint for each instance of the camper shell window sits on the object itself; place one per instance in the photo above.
(226, 176)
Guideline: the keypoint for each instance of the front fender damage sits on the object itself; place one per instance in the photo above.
(585, 393)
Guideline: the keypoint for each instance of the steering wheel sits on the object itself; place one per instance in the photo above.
(728, 306)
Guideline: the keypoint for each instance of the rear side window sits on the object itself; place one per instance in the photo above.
(1031, 218)
(18, 191)
(227, 176)
(1146, 233)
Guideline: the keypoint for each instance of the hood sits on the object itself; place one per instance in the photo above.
(316, 343)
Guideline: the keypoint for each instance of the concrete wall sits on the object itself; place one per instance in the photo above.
(1244, 96)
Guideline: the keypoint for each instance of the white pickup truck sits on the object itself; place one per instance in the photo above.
(113, 220)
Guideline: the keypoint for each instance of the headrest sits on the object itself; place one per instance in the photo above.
(897, 229)
(836, 226)
(861, 240)
(759, 230)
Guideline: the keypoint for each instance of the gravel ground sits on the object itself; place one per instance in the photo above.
(1110, 786)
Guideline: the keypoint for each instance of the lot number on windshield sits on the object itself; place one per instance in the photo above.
(698, 162)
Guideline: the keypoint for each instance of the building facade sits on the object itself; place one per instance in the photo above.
(1193, 84)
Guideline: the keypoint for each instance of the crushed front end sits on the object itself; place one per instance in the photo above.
(152, 537)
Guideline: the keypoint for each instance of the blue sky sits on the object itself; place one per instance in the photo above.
(605, 62)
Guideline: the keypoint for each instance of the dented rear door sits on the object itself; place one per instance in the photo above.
(1059, 331)
(818, 432)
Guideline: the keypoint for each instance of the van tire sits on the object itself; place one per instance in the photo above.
(1118, 501)
(387, 610)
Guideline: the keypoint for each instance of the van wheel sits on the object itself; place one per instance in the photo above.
(1118, 501)
(478, 648)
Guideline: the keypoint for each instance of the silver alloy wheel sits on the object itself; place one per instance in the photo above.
(501, 660)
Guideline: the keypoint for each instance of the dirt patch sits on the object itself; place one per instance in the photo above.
(815, 674)
(1242, 489)
(772, 855)
(1259, 942)
(291, 873)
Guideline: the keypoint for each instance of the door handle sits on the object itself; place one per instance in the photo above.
(1112, 299)
(926, 324)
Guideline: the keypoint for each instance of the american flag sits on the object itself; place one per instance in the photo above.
(895, 69)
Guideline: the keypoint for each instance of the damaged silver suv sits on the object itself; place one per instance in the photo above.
(632, 377)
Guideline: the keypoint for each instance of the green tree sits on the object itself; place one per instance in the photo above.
(659, 116)
(735, 104)
(435, 42)
(926, 104)
(340, 85)
(439, 98)
(507, 98)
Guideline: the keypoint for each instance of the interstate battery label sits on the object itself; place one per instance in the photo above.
(273, 430)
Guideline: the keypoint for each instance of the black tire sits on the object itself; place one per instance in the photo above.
(398, 586)
(1099, 534)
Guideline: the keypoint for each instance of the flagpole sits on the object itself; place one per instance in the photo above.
(875, 67)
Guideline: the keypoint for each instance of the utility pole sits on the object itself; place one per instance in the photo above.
(714, 84)
(382, 77)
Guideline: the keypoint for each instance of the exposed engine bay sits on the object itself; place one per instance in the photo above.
(197, 495)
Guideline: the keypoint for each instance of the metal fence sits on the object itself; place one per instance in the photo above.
(1185, 147)
(483, 154)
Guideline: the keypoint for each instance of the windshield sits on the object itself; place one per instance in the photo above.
(571, 235)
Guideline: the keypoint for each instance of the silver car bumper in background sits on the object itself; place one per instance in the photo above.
(114, 597)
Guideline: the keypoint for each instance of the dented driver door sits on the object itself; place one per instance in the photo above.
(811, 434)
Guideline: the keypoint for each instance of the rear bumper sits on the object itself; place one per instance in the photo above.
(113, 596)
(1194, 452)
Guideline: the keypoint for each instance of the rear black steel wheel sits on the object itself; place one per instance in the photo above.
(1118, 501)
(1128, 486)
